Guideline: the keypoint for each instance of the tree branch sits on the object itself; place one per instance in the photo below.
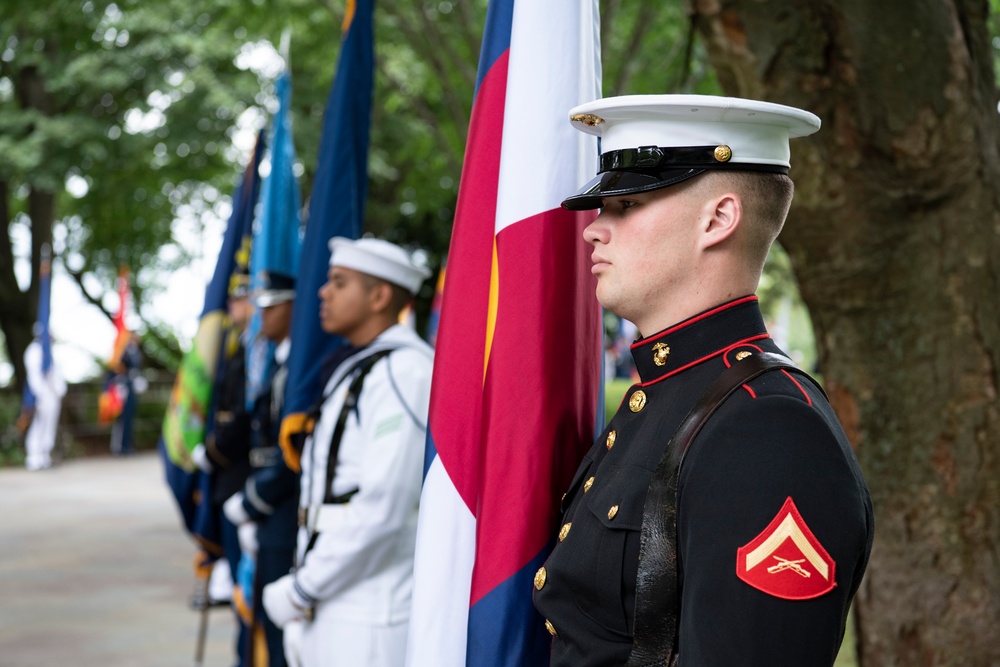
(473, 38)
(452, 59)
(77, 277)
(432, 121)
(430, 52)
(642, 23)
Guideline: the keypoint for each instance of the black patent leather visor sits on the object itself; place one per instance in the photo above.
(617, 183)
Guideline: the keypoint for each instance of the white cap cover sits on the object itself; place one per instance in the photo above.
(654, 141)
(380, 259)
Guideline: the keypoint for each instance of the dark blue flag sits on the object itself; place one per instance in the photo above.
(336, 208)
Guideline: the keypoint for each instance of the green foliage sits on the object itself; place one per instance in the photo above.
(126, 111)
(135, 100)
(614, 392)
(11, 441)
(994, 30)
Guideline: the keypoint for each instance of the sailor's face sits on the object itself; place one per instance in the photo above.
(345, 302)
(276, 321)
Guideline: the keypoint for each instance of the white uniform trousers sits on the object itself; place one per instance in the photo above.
(334, 642)
(41, 435)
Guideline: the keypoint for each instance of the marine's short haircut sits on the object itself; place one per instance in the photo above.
(766, 198)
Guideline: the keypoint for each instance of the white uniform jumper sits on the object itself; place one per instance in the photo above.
(358, 573)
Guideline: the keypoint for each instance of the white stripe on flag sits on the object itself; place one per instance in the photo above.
(442, 572)
(554, 66)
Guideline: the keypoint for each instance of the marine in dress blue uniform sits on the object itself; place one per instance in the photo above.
(773, 520)
(225, 454)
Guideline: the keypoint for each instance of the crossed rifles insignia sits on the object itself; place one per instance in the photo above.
(786, 560)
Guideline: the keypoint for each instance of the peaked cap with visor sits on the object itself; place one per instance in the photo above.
(654, 141)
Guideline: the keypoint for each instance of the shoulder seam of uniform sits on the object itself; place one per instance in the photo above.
(796, 383)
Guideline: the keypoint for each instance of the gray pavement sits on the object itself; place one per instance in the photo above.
(95, 569)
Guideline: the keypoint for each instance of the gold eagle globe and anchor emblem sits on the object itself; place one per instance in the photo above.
(660, 353)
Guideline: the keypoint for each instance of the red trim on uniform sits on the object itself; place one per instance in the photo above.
(808, 400)
(697, 318)
(725, 353)
(786, 560)
(703, 359)
(750, 391)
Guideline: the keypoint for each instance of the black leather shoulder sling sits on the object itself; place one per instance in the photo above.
(657, 610)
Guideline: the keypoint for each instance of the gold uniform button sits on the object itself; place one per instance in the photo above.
(612, 512)
(611, 439)
(564, 531)
(550, 627)
(589, 483)
(540, 578)
(740, 356)
(637, 401)
(723, 153)
(660, 353)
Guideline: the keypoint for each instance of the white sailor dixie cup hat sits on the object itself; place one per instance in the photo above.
(380, 259)
(653, 141)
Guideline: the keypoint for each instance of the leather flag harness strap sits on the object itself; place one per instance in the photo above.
(657, 609)
(350, 402)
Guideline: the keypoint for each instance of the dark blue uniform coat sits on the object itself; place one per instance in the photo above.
(761, 581)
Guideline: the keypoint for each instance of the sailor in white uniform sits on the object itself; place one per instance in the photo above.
(348, 600)
(48, 387)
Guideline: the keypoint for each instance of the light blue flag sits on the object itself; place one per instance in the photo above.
(277, 234)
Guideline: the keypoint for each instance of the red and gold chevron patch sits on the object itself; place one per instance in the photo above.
(786, 560)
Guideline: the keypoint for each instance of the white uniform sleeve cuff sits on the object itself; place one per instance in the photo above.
(234, 511)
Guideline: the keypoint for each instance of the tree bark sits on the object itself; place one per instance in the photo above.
(17, 310)
(895, 238)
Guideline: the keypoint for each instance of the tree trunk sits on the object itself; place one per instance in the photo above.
(895, 237)
(17, 309)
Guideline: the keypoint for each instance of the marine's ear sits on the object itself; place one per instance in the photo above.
(721, 217)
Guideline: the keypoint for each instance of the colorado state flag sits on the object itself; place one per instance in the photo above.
(517, 368)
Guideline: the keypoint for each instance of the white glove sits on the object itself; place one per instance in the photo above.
(280, 601)
(292, 637)
(233, 509)
(246, 533)
(200, 458)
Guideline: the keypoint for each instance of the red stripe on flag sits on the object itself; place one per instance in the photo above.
(540, 392)
(457, 388)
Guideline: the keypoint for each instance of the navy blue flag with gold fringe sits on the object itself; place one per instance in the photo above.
(336, 208)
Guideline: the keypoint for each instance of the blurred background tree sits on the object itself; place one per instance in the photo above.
(894, 235)
(121, 121)
(118, 121)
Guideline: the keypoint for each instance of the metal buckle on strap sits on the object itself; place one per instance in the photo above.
(265, 457)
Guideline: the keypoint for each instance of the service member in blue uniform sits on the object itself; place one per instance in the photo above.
(266, 510)
(746, 546)
(225, 454)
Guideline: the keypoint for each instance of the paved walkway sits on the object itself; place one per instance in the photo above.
(95, 570)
